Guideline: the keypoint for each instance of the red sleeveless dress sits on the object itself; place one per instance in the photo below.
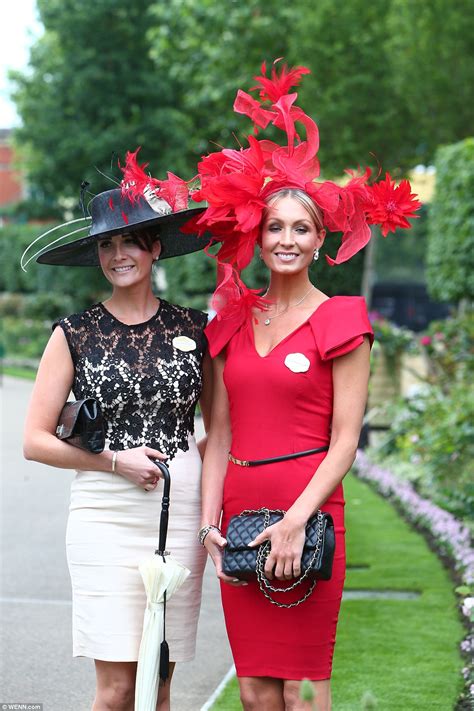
(276, 411)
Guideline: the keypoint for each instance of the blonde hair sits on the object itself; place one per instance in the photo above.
(304, 200)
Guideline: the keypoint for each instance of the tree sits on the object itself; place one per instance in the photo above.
(350, 92)
(450, 272)
(210, 50)
(92, 91)
(432, 54)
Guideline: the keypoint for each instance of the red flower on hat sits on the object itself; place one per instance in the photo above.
(390, 205)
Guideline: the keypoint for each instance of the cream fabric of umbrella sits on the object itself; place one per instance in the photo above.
(162, 576)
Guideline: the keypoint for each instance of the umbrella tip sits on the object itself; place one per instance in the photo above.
(164, 661)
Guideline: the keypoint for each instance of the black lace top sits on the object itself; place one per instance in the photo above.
(147, 377)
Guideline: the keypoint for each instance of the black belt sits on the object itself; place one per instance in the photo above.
(273, 460)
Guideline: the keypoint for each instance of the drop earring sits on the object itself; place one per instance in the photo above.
(316, 255)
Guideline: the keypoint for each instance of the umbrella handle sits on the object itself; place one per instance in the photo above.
(165, 504)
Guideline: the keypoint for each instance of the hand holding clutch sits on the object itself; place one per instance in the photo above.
(81, 424)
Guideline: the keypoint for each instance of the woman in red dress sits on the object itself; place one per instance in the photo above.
(297, 383)
(291, 375)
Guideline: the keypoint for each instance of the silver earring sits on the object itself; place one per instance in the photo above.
(316, 255)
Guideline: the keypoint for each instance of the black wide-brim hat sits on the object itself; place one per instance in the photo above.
(112, 214)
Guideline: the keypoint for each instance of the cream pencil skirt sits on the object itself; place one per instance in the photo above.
(112, 528)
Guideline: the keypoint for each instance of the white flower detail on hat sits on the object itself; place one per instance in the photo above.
(297, 362)
(183, 343)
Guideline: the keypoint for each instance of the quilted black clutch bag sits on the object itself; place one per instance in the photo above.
(242, 562)
(81, 424)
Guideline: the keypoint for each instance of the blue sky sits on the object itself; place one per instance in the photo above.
(19, 28)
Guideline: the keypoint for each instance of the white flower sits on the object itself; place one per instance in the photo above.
(467, 606)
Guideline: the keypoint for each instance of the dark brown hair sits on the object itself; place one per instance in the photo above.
(146, 238)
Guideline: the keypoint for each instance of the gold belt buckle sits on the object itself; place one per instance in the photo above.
(239, 462)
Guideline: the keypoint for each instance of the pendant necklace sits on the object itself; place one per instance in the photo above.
(269, 319)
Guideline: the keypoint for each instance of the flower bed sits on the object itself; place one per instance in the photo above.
(451, 539)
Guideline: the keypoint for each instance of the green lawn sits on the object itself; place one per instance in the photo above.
(17, 372)
(404, 651)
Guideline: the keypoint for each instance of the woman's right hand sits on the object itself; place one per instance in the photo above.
(137, 466)
(214, 544)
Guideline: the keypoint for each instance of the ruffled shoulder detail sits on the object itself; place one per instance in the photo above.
(339, 326)
(219, 331)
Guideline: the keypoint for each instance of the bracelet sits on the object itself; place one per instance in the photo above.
(114, 461)
(205, 530)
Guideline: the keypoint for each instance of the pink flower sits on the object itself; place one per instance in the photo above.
(375, 316)
(425, 340)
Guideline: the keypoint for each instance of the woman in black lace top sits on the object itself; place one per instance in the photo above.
(145, 361)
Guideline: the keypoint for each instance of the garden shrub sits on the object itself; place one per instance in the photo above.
(24, 338)
(84, 284)
(450, 256)
(432, 432)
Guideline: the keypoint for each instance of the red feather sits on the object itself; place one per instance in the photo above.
(135, 181)
(272, 89)
(175, 191)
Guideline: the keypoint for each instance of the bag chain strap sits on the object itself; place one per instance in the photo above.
(263, 552)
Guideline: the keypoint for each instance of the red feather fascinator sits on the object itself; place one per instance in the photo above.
(236, 183)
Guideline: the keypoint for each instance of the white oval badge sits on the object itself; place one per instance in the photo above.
(183, 343)
(297, 362)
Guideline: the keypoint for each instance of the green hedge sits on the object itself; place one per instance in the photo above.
(83, 285)
(450, 259)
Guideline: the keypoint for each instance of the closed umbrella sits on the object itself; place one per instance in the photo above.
(162, 576)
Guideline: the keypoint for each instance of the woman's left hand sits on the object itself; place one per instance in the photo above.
(287, 541)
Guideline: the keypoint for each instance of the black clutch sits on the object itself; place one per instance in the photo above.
(240, 561)
(81, 424)
(244, 563)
